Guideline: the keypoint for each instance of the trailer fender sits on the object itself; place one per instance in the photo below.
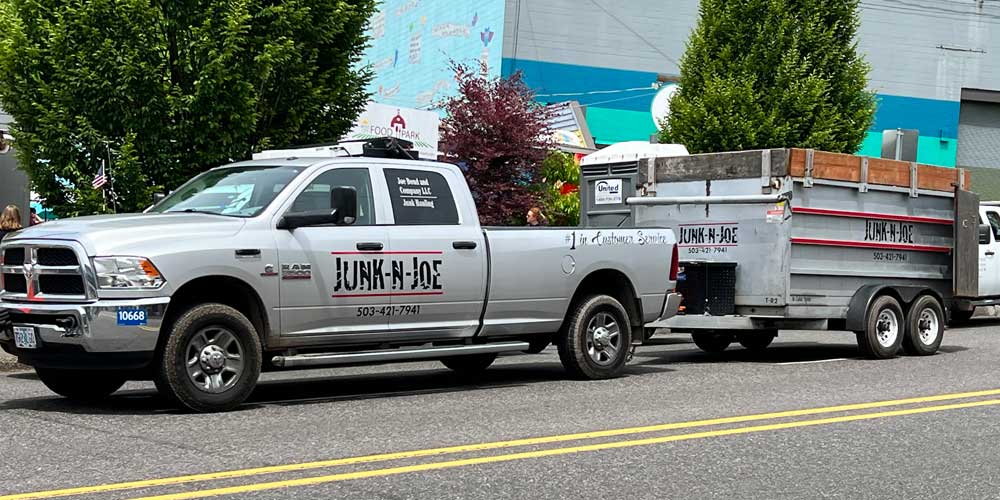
(857, 309)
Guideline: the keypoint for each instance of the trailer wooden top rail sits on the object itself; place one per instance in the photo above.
(806, 164)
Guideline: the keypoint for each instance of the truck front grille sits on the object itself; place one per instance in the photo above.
(43, 272)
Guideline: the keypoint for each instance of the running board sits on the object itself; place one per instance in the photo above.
(348, 358)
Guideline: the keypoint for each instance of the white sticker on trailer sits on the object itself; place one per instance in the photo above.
(608, 192)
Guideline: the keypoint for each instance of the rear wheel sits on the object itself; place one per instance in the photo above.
(712, 342)
(883, 335)
(81, 385)
(757, 341)
(470, 364)
(924, 327)
(597, 339)
(211, 360)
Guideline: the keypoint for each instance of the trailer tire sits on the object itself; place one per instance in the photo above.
(924, 327)
(596, 341)
(884, 332)
(757, 341)
(959, 316)
(470, 364)
(712, 342)
(81, 385)
(227, 354)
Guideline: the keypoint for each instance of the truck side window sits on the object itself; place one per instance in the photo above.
(994, 219)
(316, 196)
(420, 197)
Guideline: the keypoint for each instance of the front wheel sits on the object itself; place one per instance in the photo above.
(597, 339)
(883, 335)
(924, 327)
(81, 385)
(211, 360)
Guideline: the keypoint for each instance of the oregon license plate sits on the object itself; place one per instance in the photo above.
(24, 337)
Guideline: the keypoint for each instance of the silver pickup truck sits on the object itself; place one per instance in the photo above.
(309, 262)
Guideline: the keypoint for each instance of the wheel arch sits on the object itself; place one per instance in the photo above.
(610, 282)
(228, 290)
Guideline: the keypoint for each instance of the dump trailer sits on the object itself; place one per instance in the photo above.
(809, 240)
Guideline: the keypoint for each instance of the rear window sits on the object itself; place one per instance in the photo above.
(420, 197)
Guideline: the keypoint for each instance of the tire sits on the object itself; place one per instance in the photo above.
(470, 364)
(596, 341)
(81, 385)
(712, 342)
(924, 327)
(885, 329)
(227, 354)
(959, 316)
(757, 341)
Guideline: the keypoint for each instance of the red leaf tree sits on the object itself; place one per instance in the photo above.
(499, 135)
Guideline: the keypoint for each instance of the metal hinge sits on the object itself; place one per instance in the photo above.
(863, 182)
(810, 157)
(913, 179)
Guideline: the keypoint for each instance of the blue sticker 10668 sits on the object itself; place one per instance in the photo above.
(131, 316)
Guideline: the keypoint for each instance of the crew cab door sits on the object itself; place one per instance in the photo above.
(329, 280)
(438, 258)
(989, 255)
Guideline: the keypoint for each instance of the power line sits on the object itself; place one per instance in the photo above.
(594, 92)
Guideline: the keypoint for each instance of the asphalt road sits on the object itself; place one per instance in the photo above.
(804, 419)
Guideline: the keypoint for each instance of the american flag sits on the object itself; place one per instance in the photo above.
(100, 179)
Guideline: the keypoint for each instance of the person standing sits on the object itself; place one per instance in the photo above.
(10, 220)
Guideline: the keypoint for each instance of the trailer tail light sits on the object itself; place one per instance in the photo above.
(674, 264)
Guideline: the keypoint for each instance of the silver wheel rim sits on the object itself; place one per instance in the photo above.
(887, 328)
(214, 360)
(928, 326)
(604, 339)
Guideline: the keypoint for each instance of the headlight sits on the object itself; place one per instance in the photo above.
(135, 273)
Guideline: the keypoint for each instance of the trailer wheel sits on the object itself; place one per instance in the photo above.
(712, 342)
(470, 364)
(597, 339)
(80, 385)
(757, 341)
(924, 327)
(883, 337)
(211, 360)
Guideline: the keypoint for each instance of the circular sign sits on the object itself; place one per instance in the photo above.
(660, 108)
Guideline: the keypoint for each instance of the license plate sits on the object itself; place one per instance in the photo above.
(24, 337)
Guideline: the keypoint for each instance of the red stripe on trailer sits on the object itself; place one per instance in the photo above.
(709, 224)
(870, 215)
(868, 244)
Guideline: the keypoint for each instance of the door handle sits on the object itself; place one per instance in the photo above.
(370, 246)
(991, 252)
(464, 245)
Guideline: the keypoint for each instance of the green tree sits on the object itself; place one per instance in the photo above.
(559, 189)
(169, 88)
(772, 73)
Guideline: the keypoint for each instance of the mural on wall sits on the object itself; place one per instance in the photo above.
(414, 41)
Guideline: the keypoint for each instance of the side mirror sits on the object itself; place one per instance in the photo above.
(984, 234)
(344, 200)
(158, 197)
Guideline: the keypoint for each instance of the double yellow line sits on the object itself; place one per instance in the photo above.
(498, 445)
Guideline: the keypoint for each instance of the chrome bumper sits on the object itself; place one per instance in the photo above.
(94, 327)
(670, 306)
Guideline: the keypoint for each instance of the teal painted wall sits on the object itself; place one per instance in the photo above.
(930, 150)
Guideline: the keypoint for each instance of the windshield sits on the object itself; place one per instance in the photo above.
(237, 191)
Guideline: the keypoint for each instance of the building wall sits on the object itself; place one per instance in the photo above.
(606, 54)
(414, 41)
